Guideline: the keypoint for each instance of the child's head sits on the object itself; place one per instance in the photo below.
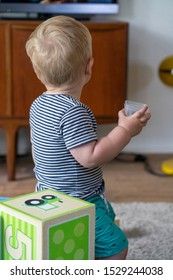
(59, 49)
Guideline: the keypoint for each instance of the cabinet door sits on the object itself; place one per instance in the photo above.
(25, 85)
(106, 91)
(4, 75)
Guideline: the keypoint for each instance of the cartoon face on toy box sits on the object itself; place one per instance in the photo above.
(46, 225)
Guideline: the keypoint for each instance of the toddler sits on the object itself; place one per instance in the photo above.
(66, 150)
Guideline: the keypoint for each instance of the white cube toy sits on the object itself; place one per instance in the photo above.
(47, 225)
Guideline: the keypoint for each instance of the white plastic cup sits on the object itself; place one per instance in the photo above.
(131, 107)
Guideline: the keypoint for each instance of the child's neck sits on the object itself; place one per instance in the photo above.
(73, 90)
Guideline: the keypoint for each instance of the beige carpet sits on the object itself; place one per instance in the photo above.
(149, 229)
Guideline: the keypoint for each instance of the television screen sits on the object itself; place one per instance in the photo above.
(67, 7)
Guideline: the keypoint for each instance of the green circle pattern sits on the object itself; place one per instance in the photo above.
(70, 240)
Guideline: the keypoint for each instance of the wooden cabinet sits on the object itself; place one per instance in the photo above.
(104, 94)
(4, 81)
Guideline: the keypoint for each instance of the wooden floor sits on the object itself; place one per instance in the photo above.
(126, 180)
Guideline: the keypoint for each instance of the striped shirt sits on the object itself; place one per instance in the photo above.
(59, 123)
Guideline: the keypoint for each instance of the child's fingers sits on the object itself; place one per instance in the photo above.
(121, 113)
(144, 119)
(141, 112)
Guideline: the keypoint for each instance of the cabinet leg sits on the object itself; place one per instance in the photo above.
(11, 134)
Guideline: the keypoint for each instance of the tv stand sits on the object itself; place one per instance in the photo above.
(104, 94)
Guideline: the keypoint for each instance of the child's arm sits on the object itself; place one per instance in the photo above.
(107, 148)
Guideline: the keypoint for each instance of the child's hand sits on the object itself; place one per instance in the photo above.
(135, 122)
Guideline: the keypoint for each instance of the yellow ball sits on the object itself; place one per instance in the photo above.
(167, 166)
(166, 71)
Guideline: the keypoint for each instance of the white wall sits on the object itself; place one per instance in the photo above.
(150, 41)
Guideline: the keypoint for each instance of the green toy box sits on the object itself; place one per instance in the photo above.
(46, 225)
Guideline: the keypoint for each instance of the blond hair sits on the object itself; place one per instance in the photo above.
(59, 49)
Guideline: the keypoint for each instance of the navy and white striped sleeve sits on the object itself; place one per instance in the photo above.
(78, 127)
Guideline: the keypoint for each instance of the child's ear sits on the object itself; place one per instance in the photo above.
(88, 69)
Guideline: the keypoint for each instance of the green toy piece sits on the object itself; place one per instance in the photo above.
(46, 225)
